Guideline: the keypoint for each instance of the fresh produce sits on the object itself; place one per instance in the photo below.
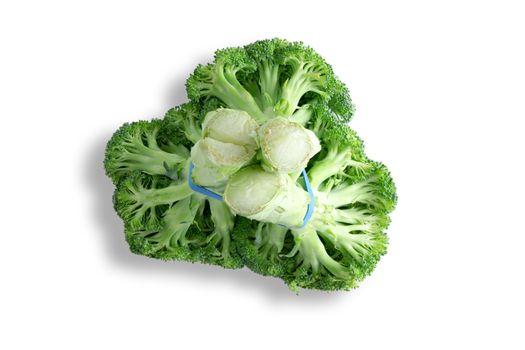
(258, 169)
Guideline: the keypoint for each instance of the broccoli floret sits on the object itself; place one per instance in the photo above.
(261, 246)
(182, 125)
(306, 72)
(184, 233)
(140, 199)
(221, 80)
(268, 78)
(340, 102)
(138, 146)
(163, 217)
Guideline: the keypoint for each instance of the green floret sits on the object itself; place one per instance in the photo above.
(340, 102)
(377, 190)
(182, 125)
(139, 147)
(342, 149)
(165, 219)
(176, 222)
(209, 105)
(265, 84)
(268, 78)
(261, 246)
(140, 244)
(140, 199)
(221, 80)
(306, 72)
(186, 233)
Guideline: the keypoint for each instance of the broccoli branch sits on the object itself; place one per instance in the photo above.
(176, 223)
(223, 220)
(137, 199)
(307, 77)
(134, 147)
(220, 80)
(313, 255)
(360, 192)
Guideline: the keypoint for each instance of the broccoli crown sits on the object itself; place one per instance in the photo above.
(269, 78)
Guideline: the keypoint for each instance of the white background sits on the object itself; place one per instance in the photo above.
(439, 90)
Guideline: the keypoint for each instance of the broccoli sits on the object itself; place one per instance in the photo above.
(344, 239)
(269, 78)
(136, 146)
(259, 117)
(182, 123)
(163, 217)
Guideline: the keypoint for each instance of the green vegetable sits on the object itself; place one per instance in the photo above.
(231, 126)
(286, 146)
(269, 78)
(258, 115)
(226, 157)
(345, 238)
(136, 147)
(228, 143)
(163, 217)
(264, 196)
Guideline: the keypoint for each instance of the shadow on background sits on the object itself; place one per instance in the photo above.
(111, 232)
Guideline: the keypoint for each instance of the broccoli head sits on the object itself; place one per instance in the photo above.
(259, 116)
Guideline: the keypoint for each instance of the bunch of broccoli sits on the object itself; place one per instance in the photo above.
(257, 116)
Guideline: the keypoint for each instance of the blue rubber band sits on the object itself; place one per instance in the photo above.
(202, 190)
(208, 193)
(311, 205)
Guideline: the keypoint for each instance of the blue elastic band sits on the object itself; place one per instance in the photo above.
(311, 205)
(202, 190)
(208, 193)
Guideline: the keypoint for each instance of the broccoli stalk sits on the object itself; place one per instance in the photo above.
(267, 197)
(223, 220)
(357, 215)
(270, 239)
(269, 85)
(299, 143)
(302, 115)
